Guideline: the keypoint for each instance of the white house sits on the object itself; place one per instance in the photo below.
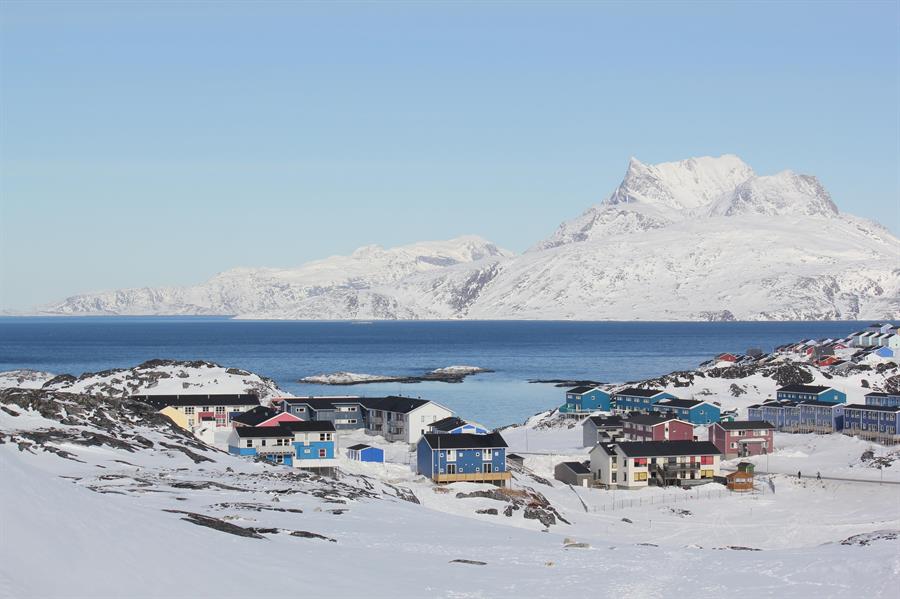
(634, 465)
(401, 418)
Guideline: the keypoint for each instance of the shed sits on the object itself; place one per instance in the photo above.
(573, 473)
(739, 481)
(515, 459)
(365, 453)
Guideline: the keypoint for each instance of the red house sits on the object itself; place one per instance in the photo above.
(263, 416)
(656, 426)
(742, 438)
(726, 358)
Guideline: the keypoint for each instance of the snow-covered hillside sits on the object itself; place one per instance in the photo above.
(143, 499)
(154, 377)
(700, 239)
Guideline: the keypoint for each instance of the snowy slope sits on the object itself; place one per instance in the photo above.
(142, 499)
(699, 239)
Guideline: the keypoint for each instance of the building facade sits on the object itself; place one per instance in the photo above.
(195, 406)
(875, 423)
(800, 393)
(742, 438)
(640, 400)
(656, 427)
(595, 429)
(635, 465)
(690, 410)
(463, 457)
(883, 399)
(585, 399)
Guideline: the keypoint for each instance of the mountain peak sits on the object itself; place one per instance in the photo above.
(682, 185)
(785, 193)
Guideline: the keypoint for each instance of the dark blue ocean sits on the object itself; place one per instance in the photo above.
(287, 351)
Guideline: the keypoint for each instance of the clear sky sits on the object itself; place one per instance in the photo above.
(160, 143)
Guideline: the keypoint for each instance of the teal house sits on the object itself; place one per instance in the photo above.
(586, 399)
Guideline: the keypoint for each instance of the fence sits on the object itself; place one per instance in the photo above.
(680, 496)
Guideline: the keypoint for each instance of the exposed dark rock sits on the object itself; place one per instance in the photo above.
(490, 511)
(468, 561)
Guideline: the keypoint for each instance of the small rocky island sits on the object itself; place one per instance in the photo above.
(449, 374)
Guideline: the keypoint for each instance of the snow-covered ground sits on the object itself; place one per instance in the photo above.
(148, 511)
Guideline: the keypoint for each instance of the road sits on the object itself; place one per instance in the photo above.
(814, 477)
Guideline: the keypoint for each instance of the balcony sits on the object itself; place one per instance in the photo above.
(681, 466)
(275, 450)
(472, 477)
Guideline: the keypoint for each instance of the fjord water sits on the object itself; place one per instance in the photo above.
(288, 350)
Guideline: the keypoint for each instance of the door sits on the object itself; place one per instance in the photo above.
(488, 467)
(451, 468)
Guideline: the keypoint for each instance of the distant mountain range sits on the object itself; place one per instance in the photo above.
(699, 239)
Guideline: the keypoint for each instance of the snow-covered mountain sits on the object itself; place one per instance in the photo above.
(699, 239)
(243, 290)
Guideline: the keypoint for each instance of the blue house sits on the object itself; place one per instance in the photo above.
(690, 410)
(878, 423)
(784, 415)
(820, 417)
(272, 443)
(454, 425)
(883, 399)
(811, 393)
(463, 457)
(313, 441)
(365, 453)
(301, 443)
(633, 399)
(345, 412)
(586, 399)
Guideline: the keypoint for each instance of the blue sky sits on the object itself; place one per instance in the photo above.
(148, 144)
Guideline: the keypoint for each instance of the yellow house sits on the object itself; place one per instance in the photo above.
(176, 416)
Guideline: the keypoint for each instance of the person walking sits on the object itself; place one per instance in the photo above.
(798, 475)
(818, 476)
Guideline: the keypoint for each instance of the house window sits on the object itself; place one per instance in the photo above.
(220, 409)
(263, 442)
(613, 479)
(206, 408)
(249, 442)
(189, 410)
(451, 455)
(322, 453)
(486, 455)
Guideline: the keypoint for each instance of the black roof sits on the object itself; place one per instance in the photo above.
(881, 394)
(739, 425)
(816, 389)
(577, 467)
(393, 403)
(359, 447)
(304, 426)
(448, 424)
(262, 431)
(638, 449)
(464, 441)
(859, 406)
(514, 455)
(580, 390)
(650, 418)
(195, 399)
(679, 403)
(256, 415)
(823, 404)
(322, 403)
(601, 421)
(634, 391)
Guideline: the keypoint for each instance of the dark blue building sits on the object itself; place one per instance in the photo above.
(463, 457)
(877, 423)
(811, 393)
